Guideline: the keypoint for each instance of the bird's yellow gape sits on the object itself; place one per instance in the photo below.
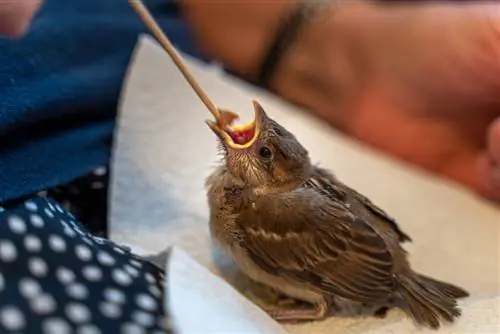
(237, 136)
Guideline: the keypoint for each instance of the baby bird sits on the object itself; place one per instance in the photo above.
(295, 228)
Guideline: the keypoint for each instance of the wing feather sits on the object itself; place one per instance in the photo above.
(317, 242)
(325, 183)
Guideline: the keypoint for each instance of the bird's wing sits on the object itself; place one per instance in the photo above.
(314, 241)
(327, 184)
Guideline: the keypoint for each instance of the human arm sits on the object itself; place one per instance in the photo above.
(239, 33)
(419, 81)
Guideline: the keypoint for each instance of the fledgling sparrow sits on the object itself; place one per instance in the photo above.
(295, 228)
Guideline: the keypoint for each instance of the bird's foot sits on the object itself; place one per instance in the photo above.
(264, 295)
(298, 312)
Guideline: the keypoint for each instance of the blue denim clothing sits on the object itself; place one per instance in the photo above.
(59, 87)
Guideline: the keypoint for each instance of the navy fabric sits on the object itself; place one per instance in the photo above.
(59, 87)
(56, 277)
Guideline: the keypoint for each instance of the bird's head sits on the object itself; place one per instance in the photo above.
(262, 153)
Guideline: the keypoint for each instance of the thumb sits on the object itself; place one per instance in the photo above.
(489, 164)
(16, 15)
(494, 141)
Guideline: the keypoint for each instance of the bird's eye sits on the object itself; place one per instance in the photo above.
(265, 152)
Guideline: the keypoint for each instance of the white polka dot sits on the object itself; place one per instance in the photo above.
(77, 291)
(43, 304)
(64, 275)
(56, 326)
(57, 243)
(76, 228)
(88, 329)
(58, 208)
(49, 213)
(69, 232)
(64, 223)
(8, 251)
(2, 209)
(105, 259)
(150, 278)
(131, 328)
(87, 241)
(83, 252)
(100, 171)
(2, 282)
(12, 319)
(36, 221)
(50, 205)
(38, 267)
(155, 291)
(146, 302)
(17, 225)
(78, 313)
(110, 310)
(136, 263)
(100, 241)
(119, 250)
(142, 318)
(32, 243)
(114, 295)
(29, 288)
(92, 273)
(121, 277)
(31, 206)
(131, 270)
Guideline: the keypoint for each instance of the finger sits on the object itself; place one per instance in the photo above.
(489, 177)
(488, 167)
(494, 141)
(16, 16)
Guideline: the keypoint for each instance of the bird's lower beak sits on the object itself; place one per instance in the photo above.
(241, 136)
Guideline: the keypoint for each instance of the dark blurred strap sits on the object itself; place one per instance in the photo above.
(286, 35)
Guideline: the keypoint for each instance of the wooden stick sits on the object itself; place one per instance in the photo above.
(150, 22)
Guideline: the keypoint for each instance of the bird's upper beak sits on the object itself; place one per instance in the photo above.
(238, 136)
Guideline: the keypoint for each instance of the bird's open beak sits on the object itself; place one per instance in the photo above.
(238, 136)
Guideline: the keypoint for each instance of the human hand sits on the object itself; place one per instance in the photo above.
(16, 15)
(421, 82)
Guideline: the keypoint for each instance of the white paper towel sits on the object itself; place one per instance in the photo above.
(213, 307)
(164, 151)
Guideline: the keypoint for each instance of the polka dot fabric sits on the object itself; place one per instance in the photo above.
(86, 198)
(57, 278)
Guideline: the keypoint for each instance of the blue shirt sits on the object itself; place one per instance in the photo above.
(59, 87)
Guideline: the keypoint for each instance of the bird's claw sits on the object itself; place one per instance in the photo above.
(298, 312)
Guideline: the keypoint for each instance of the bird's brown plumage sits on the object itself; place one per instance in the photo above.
(325, 182)
(298, 229)
(322, 245)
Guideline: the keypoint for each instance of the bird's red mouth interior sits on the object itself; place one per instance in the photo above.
(236, 136)
(241, 135)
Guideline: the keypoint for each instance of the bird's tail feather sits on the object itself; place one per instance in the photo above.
(430, 301)
(448, 289)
